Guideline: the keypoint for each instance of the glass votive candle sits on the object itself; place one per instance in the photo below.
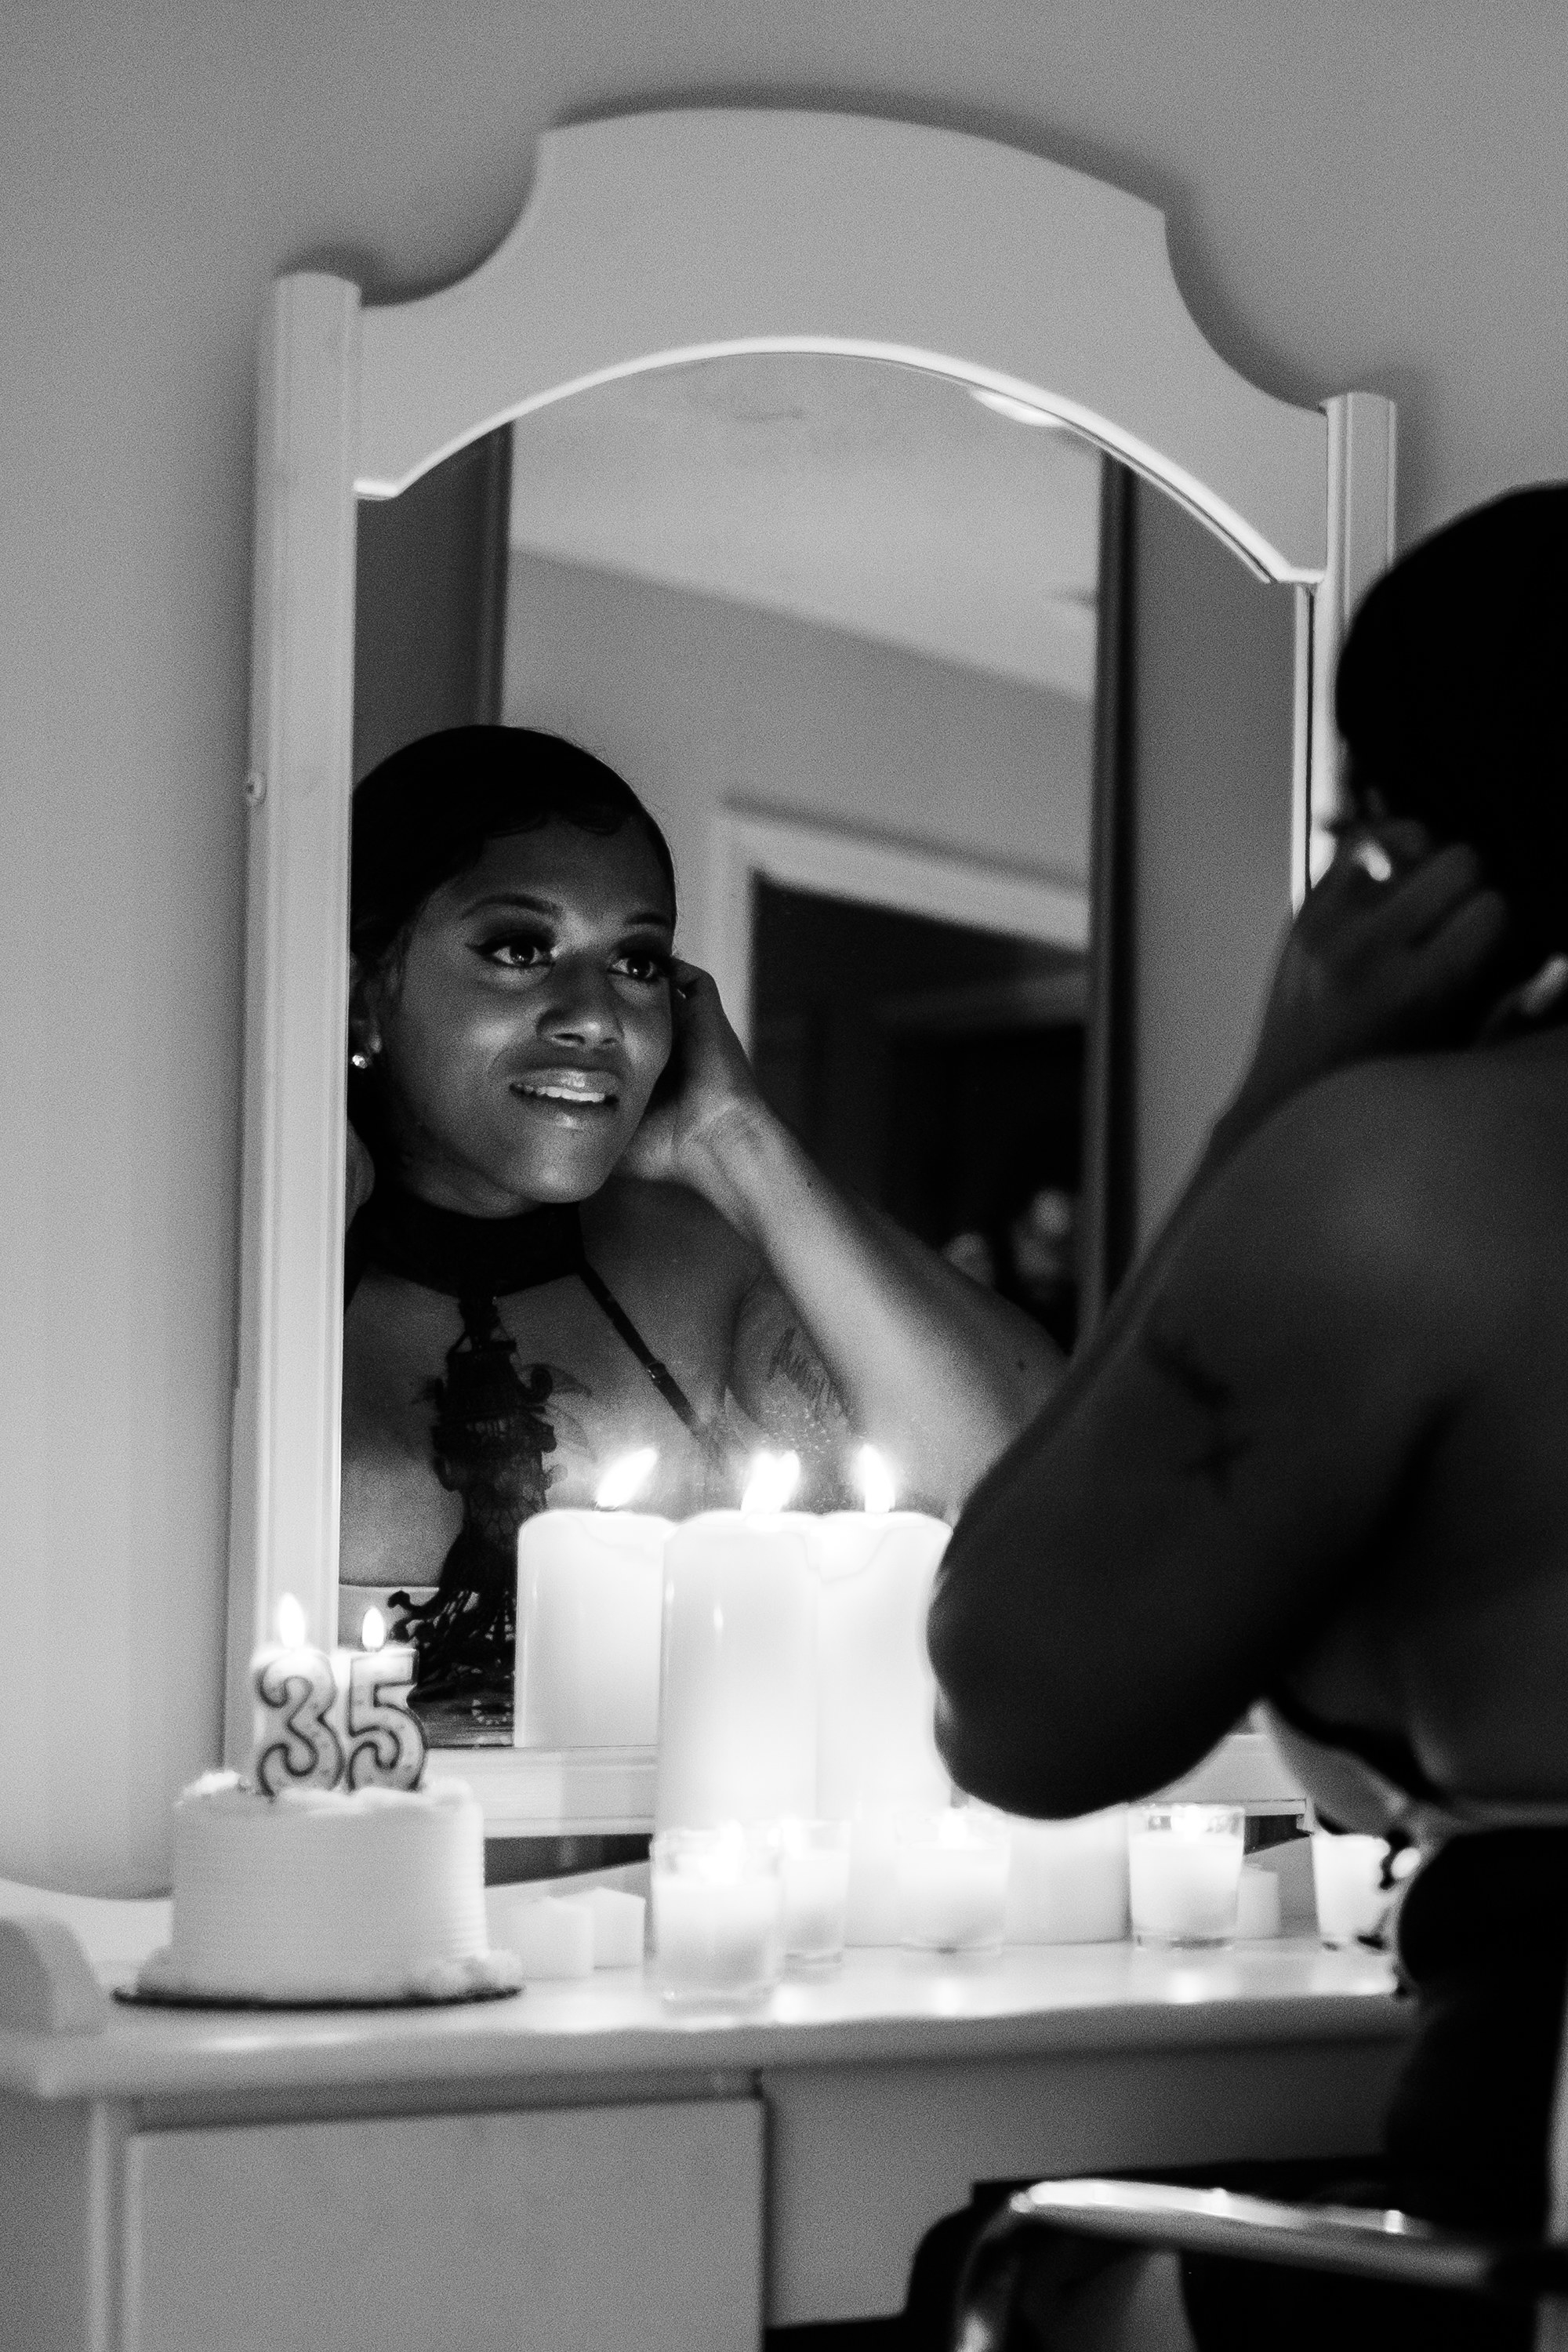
(1347, 1879)
(1183, 1867)
(718, 1916)
(1067, 1881)
(813, 1872)
(951, 1872)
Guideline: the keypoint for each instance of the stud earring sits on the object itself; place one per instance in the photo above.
(360, 1058)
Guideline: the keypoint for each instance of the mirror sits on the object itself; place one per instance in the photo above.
(836, 621)
(648, 244)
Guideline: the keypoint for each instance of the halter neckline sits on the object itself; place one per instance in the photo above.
(463, 1257)
(478, 1260)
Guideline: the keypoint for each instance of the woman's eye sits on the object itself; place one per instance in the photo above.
(645, 964)
(513, 955)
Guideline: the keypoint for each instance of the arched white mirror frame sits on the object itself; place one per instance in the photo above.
(648, 239)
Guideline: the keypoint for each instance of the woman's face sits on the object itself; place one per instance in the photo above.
(520, 1035)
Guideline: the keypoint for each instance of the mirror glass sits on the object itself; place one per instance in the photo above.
(849, 597)
(837, 623)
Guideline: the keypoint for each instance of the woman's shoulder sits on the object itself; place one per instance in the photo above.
(664, 1230)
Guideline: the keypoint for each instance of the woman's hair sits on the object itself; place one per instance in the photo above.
(425, 814)
(1452, 697)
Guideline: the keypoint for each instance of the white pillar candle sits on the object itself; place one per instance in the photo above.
(297, 1744)
(1185, 1872)
(1258, 1913)
(737, 1710)
(620, 1927)
(1067, 1881)
(876, 1739)
(717, 1915)
(813, 1872)
(953, 1881)
(552, 1936)
(590, 1599)
(1347, 1879)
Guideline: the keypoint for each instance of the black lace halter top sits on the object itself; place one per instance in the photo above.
(485, 1259)
(490, 1431)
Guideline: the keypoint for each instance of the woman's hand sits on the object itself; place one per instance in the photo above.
(1390, 953)
(707, 1093)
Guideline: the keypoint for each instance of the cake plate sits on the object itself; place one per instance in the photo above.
(135, 1997)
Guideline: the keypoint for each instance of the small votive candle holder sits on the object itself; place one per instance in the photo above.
(813, 1872)
(1347, 1879)
(1184, 1864)
(1067, 1881)
(951, 1876)
(718, 1916)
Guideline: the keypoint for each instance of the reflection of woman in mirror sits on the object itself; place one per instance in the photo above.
(576, 1228)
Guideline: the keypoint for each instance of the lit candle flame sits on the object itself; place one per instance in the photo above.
(291, 1622)
(372, 1628)
(876, 1480)
(625, 1479)
(773, 1480)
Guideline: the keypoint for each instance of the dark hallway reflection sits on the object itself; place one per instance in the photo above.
(938, 1070)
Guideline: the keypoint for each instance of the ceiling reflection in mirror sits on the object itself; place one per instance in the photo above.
(835, 605)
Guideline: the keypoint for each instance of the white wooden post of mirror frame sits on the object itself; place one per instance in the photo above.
(646, 239)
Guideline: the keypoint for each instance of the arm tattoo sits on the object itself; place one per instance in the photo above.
(1177, 1361)
(795, 1361)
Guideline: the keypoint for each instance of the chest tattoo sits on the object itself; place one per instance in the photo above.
(795, 1363)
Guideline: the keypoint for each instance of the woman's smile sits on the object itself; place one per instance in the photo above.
(569, 1094)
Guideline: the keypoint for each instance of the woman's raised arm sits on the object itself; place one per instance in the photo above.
(939, 1374)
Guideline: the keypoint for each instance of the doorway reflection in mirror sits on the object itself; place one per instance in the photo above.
(937, 1071)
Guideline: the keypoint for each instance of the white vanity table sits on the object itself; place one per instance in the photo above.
(578, 2166)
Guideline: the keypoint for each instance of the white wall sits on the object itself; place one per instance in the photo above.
(699, 702)
(1361, 192)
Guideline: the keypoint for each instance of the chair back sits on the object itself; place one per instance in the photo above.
(1551, 2324)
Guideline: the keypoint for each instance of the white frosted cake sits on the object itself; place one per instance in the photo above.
(313, 1896)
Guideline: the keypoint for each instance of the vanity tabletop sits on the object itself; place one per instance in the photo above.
(878, 2008)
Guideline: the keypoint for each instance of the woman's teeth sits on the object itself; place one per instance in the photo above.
(565, 1087)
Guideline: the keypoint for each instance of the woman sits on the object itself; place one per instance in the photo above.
(583, 1233)
(1317, 1455)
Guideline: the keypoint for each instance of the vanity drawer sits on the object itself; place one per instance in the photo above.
(634, 2227)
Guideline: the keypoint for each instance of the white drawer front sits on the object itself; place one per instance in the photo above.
(612, 2229)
